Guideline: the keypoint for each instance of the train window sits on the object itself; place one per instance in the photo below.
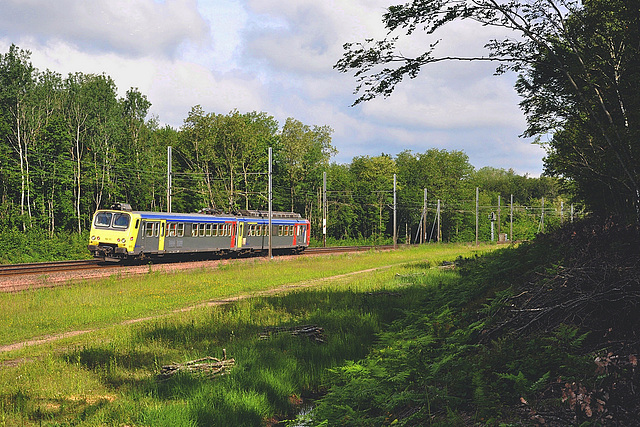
(280, 230)
(121, 220)
(201, 229)
(208, 230)
(214, 231)
(194, 230)
(180, 231)
(298, 230)
(149, 229)
(259, 231)
(157, 229)
(137, 223)
(162, 229)
(103, 219)
(171, 230)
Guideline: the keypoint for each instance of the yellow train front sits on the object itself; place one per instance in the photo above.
(114, 233)
(121, 233)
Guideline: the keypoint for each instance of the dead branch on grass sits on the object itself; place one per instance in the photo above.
(208, 366)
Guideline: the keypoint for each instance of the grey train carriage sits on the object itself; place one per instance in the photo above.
(120, 233)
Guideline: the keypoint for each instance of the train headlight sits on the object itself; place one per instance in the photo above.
(93, 237)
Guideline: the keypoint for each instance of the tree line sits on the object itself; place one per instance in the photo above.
(70, 145)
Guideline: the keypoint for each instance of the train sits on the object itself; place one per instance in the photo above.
(120, 233)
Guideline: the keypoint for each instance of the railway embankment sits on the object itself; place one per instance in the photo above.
(542, 334)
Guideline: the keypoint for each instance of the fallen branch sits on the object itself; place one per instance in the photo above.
(312, 332)
(209, 366)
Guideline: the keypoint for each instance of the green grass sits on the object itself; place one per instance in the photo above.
(108, 376)
(97, 303)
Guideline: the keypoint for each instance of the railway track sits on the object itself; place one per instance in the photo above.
(47, 267)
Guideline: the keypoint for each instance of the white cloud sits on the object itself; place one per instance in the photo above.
(129, 27)
(422, 103)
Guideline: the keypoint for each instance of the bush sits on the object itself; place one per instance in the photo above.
(36, 245)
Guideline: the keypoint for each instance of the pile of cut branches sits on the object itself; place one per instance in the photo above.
(596, 288)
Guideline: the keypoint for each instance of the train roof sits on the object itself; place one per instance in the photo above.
(206, 217)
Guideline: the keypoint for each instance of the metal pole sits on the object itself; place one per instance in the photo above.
(499, 218)
(492, 218)
(324, 209)
(477, 211)
(542, 216)
(169, 179)
(511, 221)
(572, 213)
(395, 232)
(438, 233)
(270, 202)
(423, 234)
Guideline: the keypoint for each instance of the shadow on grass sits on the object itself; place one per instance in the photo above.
(270, 375)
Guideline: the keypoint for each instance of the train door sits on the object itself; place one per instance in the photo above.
(295, 234)
(232, 226)
(151, 236)
(163, 232)
(240, 241)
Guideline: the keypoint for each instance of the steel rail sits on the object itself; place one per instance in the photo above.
(47, 267)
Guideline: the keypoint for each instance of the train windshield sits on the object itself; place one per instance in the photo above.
(112, 219)
(103, 219)
(121, 220)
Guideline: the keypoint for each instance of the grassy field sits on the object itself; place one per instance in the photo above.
(108, 375)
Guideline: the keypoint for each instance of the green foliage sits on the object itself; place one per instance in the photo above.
(433, 366)
(36, 245)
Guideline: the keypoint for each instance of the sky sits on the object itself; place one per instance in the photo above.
(277, 57)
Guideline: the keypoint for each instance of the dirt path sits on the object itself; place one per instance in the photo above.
(216, 302)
